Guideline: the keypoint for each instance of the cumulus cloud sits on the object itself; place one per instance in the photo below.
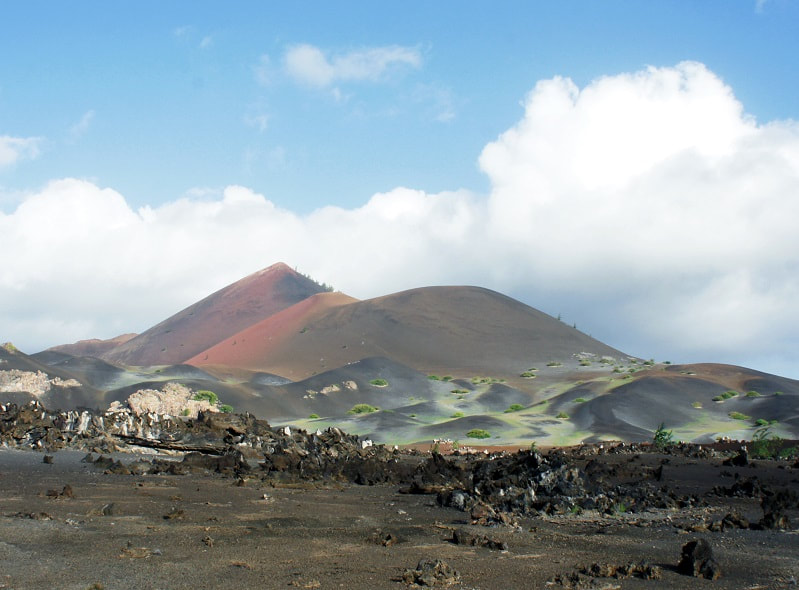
(646, 207)
(310, 65)
(14, 149)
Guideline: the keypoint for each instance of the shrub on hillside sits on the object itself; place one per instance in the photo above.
(363, 409)
(478, 433)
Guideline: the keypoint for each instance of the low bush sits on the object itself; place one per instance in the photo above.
(478, 433)
(363, 409)
(458, 415)
(514, 408)
(580, 400)
(697, 405)
(313, 417)
(662, 438)
(209, 396)
(738, 416)
(379, 382)
(226, 409)
(562, 416)
(752, 393)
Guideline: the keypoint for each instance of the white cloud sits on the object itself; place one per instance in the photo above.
(647, 207)
(81, 127)
(309, 65)
(14, 149)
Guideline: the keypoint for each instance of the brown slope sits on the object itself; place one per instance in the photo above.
(268, 338)
(216, 317)
(461, 330)
(93, 347)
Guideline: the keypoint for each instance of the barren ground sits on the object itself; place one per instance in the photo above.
(190, 531)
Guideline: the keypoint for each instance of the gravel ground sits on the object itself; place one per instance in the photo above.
(191, 531)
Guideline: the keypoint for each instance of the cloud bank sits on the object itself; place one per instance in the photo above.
(646, 207)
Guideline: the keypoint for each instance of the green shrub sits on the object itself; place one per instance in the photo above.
(580, 400)
(718, 398)
(562, 416)
(738, 416)
(697, 405)
(460, 391)
(458, 415)
(761, 422)
(478, 433)
(766, 445)
(729, 394)
(752, 393)
(447, 378)
(514, 408)
(662, 437)
(363, 409)
(554, 364)
(528, 375)
(184, 412)
(379, 382)
(434, 378)
(208, 396)
(313, 417)
(226, 409)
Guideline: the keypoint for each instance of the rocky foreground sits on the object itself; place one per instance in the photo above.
(120, 500)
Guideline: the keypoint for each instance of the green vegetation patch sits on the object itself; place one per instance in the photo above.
(554, 364)
(738, 416)
(752, 393)
(514, 408)
(379, 382)
(697, 405)
(478, 433)
(434, 378)
(226, 409)
(208, 396)
(580, 400)
(313, 417)
(662, 438)
(458, 415)
(363, 409)
(528, 375)
(562, 416)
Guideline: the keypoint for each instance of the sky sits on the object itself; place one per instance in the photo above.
(630, 167)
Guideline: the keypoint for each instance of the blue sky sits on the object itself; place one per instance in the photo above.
(151, 152)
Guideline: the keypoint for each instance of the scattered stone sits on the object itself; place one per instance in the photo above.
(731, 521)
(208, 541)
(175, 514)
(384, 539)
(431, 573)
(643, 570)
(47, 459)
(739, 460)
(697, 561)
(464, 537)
(65, 492)
(33, 515)
(131, 552)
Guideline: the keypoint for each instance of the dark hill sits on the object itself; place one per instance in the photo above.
(461, 330)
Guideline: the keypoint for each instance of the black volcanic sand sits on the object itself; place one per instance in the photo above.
(208, 531)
